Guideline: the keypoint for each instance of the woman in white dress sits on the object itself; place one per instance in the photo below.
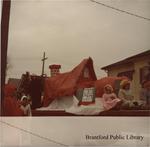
(25, 106)
(109, 98)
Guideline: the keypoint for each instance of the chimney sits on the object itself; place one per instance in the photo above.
(54, 69)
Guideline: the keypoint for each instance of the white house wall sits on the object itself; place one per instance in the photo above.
(136, 65)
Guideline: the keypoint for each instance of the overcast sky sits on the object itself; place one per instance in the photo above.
(71, 30)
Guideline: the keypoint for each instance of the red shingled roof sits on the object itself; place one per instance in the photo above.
(99, 84)
(65, 84)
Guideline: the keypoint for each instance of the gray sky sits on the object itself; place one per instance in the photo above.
(71, 30)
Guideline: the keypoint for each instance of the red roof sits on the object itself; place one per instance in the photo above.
(99, 84)
(65, 84)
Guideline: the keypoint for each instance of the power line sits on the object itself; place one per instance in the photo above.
(34, 134)
(123, 11)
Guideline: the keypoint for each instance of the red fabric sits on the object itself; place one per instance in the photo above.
(99, 84)
(9, 89)
(86, 103)
(66, 84)
(10, 105)
(86, 84)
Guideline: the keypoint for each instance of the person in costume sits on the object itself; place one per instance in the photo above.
(109, 98)
(25, 106)
(145, 92)
(125, 94)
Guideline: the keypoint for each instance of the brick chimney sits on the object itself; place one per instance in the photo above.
(54, 69)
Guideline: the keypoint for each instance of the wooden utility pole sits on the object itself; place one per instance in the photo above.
(43, 60)
(4, 43)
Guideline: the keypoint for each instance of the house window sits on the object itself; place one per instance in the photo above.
(128, 74)
(86, 94)
(144, 74)
(86, 73)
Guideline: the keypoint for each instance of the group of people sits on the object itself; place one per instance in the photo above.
(125, 98)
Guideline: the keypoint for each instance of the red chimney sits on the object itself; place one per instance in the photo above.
(54, 69)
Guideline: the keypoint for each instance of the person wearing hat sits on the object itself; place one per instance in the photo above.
(145, 92)
(125, 94)
(25, 106)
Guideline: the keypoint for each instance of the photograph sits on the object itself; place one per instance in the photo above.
(78, 59)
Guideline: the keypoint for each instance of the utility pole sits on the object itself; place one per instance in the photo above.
(43, 60)
(4, 43)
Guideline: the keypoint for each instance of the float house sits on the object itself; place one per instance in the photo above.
(69, 83)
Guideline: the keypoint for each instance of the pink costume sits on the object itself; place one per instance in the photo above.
(109, 100)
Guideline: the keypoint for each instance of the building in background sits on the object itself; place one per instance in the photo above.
(136, 68)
